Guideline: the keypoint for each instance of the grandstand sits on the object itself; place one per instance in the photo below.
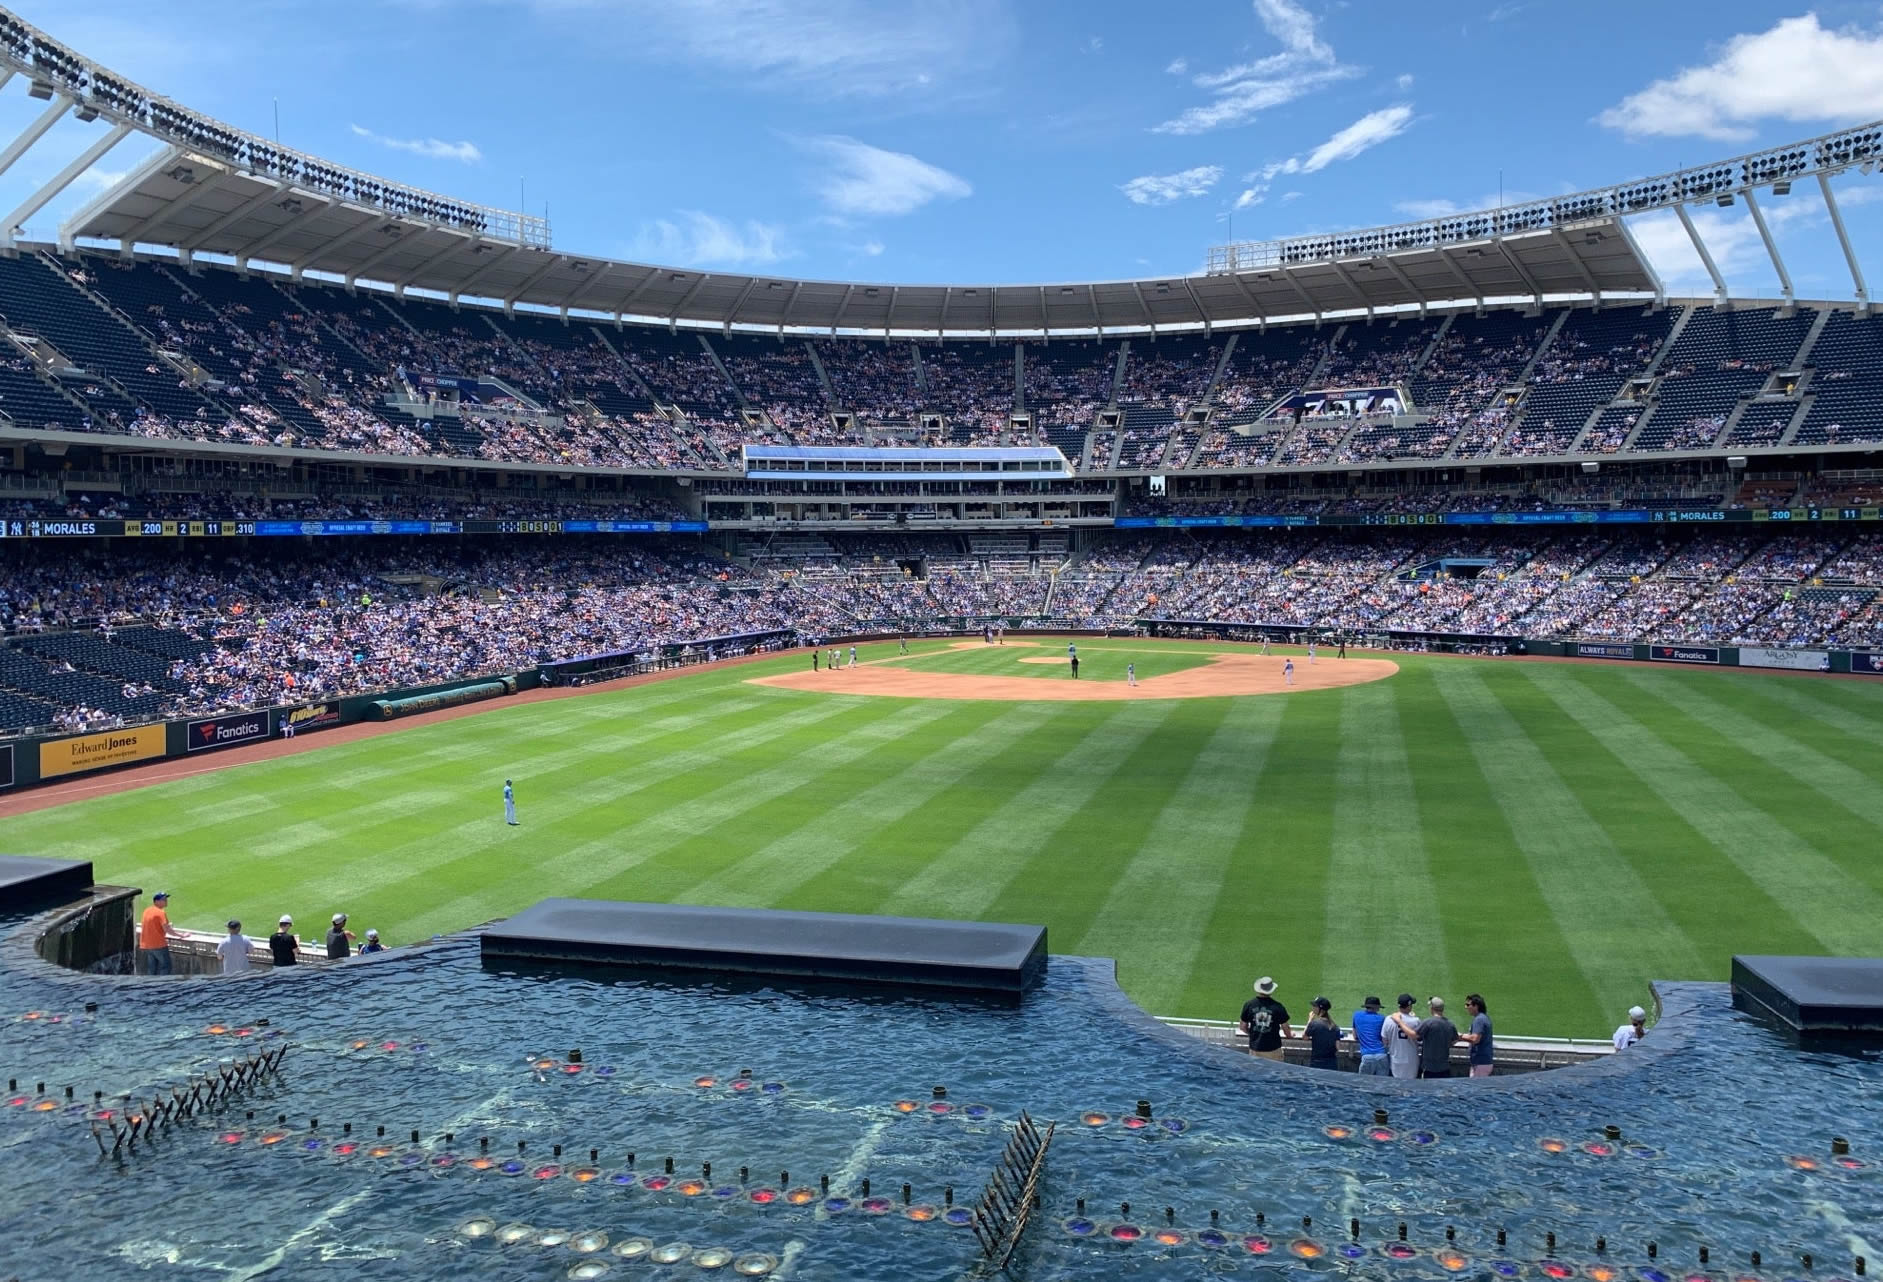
(216, 345)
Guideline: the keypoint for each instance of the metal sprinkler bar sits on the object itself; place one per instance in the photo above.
(1011, 1194)
(201, 1091)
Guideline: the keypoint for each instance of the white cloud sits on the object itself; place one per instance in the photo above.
(872, 249)
(1364, 134)
(866, 181)
(1305, 63)
(1403, 81)
(430, 148)
(1177, 67)
(1094, 44)
(833, 48)
(1797, 72)
(694, 239)
(1162, 189)
(96, 179)
(1290, 195)
(1446, 208)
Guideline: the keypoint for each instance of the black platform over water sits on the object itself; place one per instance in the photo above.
(1813, 995)
(34, 883)
(988, 957)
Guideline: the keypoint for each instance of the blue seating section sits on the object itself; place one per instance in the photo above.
(1847, 364)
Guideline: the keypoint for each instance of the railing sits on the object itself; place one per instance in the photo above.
(1514, 1054)
(1012, 1194)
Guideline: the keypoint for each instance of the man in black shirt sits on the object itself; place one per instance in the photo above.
(339, 939)
(282, 944)
(1265, 1021)
(1436, 1035)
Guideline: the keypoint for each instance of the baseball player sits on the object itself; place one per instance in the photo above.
(509, 804)
(1288, 672)
(853, 656)
(1131, 674)
(1265, 643)
(1310, 654)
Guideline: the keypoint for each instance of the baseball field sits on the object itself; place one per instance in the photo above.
(1553, 835)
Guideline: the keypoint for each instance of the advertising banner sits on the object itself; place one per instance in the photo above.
(1870, 663)
(1758, 656)
(1591, 651)
(311, 716)
(93, 751)
(228, 731)
(1685, 653)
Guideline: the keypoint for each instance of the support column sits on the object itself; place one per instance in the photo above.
(34, 132)
(1771, 246)
(1706, 257)
(1843, 240)
(10, 226)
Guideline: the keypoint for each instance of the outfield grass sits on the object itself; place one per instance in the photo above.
(1551, 835)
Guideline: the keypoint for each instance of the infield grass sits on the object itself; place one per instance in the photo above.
(1551, 835)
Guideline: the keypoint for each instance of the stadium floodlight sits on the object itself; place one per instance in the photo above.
(1776, 168)
(57, 72)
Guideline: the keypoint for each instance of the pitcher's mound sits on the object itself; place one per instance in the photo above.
(1223, 675)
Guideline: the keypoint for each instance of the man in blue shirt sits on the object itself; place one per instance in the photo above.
(1367, 1023)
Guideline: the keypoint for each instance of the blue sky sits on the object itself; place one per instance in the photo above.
(988, 141)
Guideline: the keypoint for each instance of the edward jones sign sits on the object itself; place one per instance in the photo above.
(94, 751)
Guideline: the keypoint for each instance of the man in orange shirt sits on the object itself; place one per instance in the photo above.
(154, 934)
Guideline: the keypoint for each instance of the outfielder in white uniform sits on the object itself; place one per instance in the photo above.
(1131, 674)
(509, 804)
(1288, 671)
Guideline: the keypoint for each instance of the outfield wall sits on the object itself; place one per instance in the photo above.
(38, 759)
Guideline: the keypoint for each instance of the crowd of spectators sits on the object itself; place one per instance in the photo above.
(285, 624)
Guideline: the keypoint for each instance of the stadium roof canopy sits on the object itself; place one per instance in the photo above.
(203, 206)
(213, 189)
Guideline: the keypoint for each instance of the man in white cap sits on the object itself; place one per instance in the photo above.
(1634, 1030)
(1265, 1021)
(339, 939)
(283, 945)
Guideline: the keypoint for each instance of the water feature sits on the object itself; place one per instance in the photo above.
(1724, 1137)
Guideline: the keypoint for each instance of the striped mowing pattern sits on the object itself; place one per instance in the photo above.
(1552, 836)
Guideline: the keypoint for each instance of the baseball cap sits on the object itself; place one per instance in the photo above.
(286, 920)
(338, 918)
(1371, 1003)
(372, 934)
(1321, 1003)
(1636, 1013)
(1405, 999)
(1265, 985)
(234, 924)
(162, 894)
